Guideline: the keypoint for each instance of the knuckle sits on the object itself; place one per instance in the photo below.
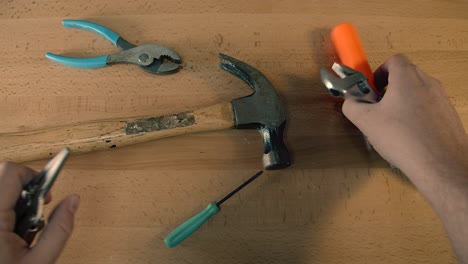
(413, 70)
(399, 56)
(10, 168)
(346, 108)
(399, 60)
(65, 222)
(351, 111)
(7, 220)
(437, 81)
(65, 226)
(4, 166)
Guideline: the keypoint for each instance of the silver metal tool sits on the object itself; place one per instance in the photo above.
(30, 206)
(348, 83)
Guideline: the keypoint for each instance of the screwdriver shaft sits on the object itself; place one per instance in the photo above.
(239, 188)
(188, 227)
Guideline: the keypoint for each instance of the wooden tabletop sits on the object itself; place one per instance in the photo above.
(337, 203)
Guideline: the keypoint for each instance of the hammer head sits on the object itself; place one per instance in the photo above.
(261, 110)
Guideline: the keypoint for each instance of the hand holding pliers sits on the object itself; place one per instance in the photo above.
(30, 205)
(152, 58)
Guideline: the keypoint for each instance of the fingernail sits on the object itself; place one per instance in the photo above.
(74, 203)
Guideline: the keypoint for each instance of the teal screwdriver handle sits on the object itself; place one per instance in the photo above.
(190, 226)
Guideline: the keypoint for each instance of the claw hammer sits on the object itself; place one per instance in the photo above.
(261, 110)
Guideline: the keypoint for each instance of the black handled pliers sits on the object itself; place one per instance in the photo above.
(30, 205)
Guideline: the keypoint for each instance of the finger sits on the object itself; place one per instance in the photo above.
(425, 79)
(58, 230)
(358, 113)
(381, 77)
(396, 73)
(48, 198)
(12, 179)
(395, 63)
(395, 68)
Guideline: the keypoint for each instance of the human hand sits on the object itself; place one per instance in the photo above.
(414, 126)
(51, 242)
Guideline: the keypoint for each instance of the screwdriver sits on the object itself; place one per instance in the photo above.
(191, 225)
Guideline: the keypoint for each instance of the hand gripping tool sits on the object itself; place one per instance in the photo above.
(355, 79)
(152, 58)
(349, 84)
(30, 205)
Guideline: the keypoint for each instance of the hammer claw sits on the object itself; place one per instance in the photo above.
(261, 110)
(237, 68)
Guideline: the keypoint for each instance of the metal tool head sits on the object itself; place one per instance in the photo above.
(261, 110)
(167, 60)
(348, 84)
(153, 58)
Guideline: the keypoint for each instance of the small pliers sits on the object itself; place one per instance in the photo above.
(30, 205)
(149, 57)
(348, 84)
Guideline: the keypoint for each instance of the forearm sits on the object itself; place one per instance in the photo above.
(445, 186)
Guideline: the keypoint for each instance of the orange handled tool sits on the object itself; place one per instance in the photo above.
(350, 52)
(352, 77)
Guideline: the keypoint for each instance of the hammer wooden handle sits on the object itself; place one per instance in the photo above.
(104, 134)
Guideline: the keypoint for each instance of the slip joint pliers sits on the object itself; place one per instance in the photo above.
(153, 58)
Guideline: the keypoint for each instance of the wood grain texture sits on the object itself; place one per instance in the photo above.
(111, 133)
(337, 203)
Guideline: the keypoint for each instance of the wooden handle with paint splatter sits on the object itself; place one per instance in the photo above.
(104, 134)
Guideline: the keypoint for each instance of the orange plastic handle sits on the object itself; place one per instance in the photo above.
(350, 52)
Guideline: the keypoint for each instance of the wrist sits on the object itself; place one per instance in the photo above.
(438, 175)
(452, 164)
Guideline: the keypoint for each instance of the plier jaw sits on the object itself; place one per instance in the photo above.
(153, 58)
(346, 83)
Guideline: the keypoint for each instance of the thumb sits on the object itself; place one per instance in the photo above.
(358, 113)
(57, 231)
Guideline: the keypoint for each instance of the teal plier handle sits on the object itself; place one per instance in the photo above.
(92, 27)
(94, 62)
